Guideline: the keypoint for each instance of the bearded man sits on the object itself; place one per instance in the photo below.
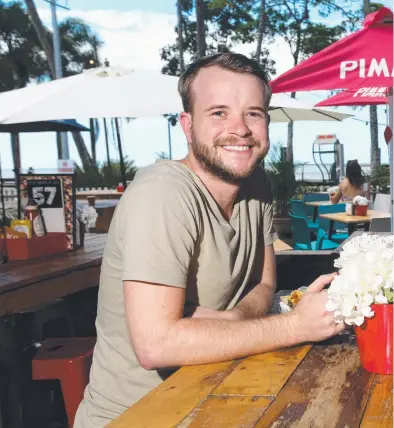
(188, 273)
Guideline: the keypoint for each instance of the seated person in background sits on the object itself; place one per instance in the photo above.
(351, 185)
(187, 240)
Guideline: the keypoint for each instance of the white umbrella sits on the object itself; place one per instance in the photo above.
(286, 109)
(119, 92)
(98, 92)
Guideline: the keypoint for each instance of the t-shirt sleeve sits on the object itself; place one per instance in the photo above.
(270, 234)
(157, 230)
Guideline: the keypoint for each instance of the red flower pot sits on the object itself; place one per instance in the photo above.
(375, 340)
(360, 210)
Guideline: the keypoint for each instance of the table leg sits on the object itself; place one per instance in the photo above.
(351, 227)
(330, 228)
(315, 209)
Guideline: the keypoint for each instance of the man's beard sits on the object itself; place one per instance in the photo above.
(213, 163)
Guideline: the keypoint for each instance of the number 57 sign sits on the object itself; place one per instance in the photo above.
(46, 193)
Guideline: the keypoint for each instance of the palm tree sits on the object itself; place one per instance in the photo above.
(180, 35)
(76, 36)
(373, 116)
(200, 17)
(261, 30)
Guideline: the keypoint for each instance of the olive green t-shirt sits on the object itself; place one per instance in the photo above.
(168, 229)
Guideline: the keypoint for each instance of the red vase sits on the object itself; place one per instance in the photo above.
(361, 210)
(375, 340)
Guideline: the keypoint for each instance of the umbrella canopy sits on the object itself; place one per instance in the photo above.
(361, 97)
(286, 109)
(44, 126)
(362, 59)
(98, 92)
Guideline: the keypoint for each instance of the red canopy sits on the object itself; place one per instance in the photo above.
(363, 59)
(361, 97)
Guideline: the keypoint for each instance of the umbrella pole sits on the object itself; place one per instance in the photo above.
(121, 160)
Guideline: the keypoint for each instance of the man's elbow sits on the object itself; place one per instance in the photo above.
(150, 357)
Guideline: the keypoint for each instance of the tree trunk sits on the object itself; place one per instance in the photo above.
(261, 30)
(106, 143)
(48, 50)
(373, 115)
(180, 35)
(375, 151)
(201, 45)
(42, 35)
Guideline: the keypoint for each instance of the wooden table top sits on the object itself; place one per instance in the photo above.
(318, 203)
(305, 386)
(28, 283)
(344, 218)
(280, 246)
(99, 194)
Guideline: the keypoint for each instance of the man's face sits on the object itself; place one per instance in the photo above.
(228, 127)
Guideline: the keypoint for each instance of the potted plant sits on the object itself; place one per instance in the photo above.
(281, 175)
(362, 295)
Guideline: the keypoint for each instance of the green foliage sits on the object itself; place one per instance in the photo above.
(106, 175)
(283, 182)
(380, 180)
(22, 58)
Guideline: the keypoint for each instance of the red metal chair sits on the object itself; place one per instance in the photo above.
(69, 361)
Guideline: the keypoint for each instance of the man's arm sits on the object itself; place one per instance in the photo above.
(258, 301)
(162, 338)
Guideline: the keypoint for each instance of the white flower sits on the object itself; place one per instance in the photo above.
(360, 200)
(366, 277)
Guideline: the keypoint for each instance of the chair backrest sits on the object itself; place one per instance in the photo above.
(312, 197)
(300, 231)
(324, 223)
(382, 203)
(297, 208)
(319, 239)
(380, 225)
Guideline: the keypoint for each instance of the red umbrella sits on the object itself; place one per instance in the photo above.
(361, 97)
(362, 59)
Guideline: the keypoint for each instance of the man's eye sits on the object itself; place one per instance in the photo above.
(255, 114)
(219, 113)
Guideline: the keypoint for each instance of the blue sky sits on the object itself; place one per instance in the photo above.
(133, 32)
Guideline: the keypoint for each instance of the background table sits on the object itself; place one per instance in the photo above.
(353, 220)
(316, 205)
(305, 386)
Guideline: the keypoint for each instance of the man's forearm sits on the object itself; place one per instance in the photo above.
(198, 341)
(256, 303)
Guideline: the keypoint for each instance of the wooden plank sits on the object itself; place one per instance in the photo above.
(224, 412)
(46, 291)
(328, 389)
(379, 411)
(280, 245)
(263, 374)
(168, 404)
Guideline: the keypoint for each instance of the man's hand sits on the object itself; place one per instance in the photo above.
(315, 323)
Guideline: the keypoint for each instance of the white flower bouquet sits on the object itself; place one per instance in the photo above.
(87, 215)
(360, 200)
(366, 277)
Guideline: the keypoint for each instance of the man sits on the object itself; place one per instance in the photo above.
(188, 273)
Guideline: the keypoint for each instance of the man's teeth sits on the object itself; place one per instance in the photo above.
(237, 148)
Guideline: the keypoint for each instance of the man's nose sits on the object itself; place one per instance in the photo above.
(237, 126)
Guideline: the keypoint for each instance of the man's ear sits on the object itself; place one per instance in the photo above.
(185, 120)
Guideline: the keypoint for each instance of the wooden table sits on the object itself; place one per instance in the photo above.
(319, 386)
(316, 205)
(99, 194)
(353, 220)
(280, 246)
(29, 284)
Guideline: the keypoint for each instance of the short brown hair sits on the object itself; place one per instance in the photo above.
(235, 62)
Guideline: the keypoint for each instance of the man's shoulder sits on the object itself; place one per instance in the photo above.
(258, 185)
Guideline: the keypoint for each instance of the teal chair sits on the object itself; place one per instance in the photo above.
(302, 237)
(313, 197)
(297, 208)
(324, 223)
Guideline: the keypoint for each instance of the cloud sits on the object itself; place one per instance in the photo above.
(131, 39)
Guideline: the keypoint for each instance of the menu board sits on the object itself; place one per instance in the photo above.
(55, 194)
